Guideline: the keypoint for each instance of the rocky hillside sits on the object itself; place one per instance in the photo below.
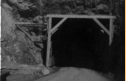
(19, 44)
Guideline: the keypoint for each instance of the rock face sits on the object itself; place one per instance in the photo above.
(16, 48)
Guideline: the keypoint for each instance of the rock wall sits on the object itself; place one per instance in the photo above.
(17, 50)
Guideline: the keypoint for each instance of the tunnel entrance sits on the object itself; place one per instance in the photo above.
(79, 42)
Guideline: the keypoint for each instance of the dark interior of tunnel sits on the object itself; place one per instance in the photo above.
(81, 43)
(3, 77)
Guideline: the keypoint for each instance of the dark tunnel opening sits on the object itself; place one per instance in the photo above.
(81, 43)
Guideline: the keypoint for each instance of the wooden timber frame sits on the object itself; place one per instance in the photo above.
(52, 30)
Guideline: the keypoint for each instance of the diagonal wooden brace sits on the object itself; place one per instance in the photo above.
(57, 25)
(101, 25)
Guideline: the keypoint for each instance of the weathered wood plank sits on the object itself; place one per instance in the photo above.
(57, 25)
(111, 31)
(49, 42)
(82, 16)
(29, 24)
(101, 25)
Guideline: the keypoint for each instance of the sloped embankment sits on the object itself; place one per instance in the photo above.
(17, 50)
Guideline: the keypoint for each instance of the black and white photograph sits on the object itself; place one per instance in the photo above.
(62, 40)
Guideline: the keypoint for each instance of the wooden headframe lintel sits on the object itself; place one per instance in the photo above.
(57, 25)
(82, 16)
(101, 25)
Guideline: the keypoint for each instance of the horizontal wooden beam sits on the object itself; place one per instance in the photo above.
(24, 23)
(82, 16)
(57, 25)
(101, 25)
(30, 25)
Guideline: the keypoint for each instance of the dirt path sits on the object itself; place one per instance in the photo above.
(73, 74)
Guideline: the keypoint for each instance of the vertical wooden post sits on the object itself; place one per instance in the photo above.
(49, 42)
(111, 29)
